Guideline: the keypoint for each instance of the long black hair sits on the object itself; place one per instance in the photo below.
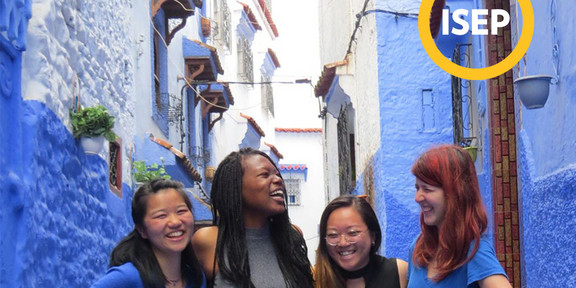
(226, 199)
(133, 248)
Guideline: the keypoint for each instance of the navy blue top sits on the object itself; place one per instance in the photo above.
(126, 275)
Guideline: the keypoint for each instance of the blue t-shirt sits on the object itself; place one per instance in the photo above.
(125, 276)
(483, 264)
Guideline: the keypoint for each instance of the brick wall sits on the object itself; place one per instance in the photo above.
(503, 151)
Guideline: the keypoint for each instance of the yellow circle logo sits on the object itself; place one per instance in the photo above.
(475, 73)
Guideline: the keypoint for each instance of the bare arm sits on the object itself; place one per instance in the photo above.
(402, 272)
(204, 245)
(495, 281)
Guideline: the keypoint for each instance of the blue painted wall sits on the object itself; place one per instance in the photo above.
(70, 220)
(407, 77)
(58, 218)
(160, 105)
(416, 113)
(547, 158)
(11, 168)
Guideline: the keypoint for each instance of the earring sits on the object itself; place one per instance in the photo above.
(373, 243)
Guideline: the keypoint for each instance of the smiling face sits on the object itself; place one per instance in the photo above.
(349, 256)
(168, 223)
(432, 202)
(263, 190)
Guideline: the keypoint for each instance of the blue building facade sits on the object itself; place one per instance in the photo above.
(58, 212)
(61, 217)
(547, 160)
(524, 156)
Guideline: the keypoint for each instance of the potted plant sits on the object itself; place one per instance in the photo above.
(92, 125)
(469, 144)
(146, 173)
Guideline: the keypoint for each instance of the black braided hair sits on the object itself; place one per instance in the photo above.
(226, 200)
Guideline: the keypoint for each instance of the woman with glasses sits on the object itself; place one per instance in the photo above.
(451, 250)
(346, 255)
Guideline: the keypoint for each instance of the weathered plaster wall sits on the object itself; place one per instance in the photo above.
(361, 83)
(13, 22)
(66, 220)
(407, 126)
(70, 219)
(547, 159)
(93, 41)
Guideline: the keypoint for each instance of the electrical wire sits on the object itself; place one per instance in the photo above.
(356, 26)
(363, 13)
(401, 14)
(177, 69)
(191, 86)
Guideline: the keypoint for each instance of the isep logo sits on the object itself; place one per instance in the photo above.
(476, 73)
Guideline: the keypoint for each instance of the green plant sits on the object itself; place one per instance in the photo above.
(146, 173)
(93, 122)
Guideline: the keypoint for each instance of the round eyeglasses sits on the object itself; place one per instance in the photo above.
(351, 237)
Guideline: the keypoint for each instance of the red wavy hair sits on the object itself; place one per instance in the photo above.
(451, 168)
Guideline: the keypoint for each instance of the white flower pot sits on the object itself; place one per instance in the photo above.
(92, 145)
(533, 90)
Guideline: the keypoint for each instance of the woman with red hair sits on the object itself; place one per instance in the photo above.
(451, 250)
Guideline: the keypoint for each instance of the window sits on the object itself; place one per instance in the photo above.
(115, 167)
(466, 120)
(267, 95)
(245, 65)
(159, 73)
(293, 190)
(428, 113)
(224, 25)
(346, 151)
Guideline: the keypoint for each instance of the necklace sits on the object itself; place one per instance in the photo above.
(173, 282)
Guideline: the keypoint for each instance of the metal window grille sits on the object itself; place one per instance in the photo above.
(225, 25)
(267, 96)
(293, 190)
(466, 122)
(344, 159)
(245, 65)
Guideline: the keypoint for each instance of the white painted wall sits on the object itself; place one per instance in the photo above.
(297, 49)
(359, 80)
(306, 148)
(229, 132)
(78, 38)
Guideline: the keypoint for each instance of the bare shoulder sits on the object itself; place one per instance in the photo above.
(298, 229)
(402, 272)
(204, 245)
(495, 281)
(205, 235)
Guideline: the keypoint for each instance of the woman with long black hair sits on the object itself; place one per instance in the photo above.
(252, 243)
(158, 252)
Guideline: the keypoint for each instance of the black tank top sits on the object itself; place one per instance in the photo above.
(382, 274)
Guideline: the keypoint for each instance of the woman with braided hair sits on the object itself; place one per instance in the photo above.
(252, 243)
